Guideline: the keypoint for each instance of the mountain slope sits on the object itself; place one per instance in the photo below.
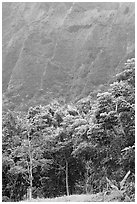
(53, 50)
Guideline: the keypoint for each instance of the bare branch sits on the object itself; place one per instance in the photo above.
(124, 179)
(111, 184)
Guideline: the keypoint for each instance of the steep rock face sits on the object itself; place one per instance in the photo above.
(64, 50)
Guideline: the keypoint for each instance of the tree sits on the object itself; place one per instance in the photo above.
(64, 149)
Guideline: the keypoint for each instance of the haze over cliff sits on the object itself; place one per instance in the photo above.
(67, 50)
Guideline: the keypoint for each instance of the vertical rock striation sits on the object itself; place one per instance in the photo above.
(61, 49)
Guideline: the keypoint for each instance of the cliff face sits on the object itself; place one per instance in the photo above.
(53, 50)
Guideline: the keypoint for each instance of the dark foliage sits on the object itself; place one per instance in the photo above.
(73, 148)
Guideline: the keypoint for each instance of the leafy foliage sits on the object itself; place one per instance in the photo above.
(72, 148)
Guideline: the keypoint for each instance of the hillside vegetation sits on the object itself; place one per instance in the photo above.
(62, 49)
(80, 148)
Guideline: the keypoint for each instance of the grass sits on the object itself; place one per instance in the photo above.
(99, 197)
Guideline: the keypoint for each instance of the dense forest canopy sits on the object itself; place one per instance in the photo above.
(75, 148)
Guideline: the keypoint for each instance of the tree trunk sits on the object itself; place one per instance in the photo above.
(30, 172)
(66, 172)
(86, 181)
(87, 178)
